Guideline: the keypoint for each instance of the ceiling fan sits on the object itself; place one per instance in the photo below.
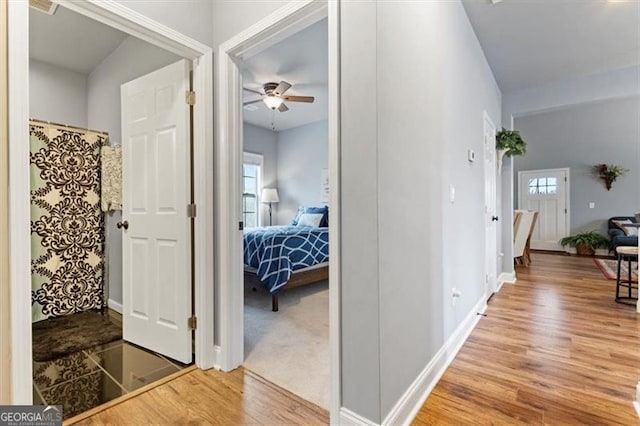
(274, 96)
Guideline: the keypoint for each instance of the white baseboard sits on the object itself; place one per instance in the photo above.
(112, 304)
(349, 418)
(410, 403)
(507, 278)
(217, 355)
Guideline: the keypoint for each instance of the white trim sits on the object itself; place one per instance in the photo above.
(118, 16)
(349, 418)
(507, 278)
(284, 22)
(256, 160)
(414, 397)
(490, 287)
(116, 306)
(19, 204)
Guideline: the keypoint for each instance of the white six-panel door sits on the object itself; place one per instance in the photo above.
(156, 192)
(490, 209)
(547, 192)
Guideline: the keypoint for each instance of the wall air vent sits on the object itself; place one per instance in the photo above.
(45, 6)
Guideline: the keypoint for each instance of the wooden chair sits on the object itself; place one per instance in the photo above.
(524, 224)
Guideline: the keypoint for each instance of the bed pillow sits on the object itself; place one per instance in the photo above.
(628, 230)
(324, 211)
(310, 219)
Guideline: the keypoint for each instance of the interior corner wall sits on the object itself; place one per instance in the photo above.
(399, 160)
(303, 152)
(261, 141)
(57, 94)
(132, 59)
(579, 137)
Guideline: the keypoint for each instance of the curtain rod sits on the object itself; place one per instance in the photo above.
(66, 125)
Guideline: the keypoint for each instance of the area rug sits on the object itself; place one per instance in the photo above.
(290, 347)
(609, 269)
(57, 337)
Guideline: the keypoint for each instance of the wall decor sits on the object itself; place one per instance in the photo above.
(609, 173)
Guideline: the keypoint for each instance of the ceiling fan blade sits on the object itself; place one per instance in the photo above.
(282, 87)
(283, 107)
(251, 102)
(308, 99)
(252, 91)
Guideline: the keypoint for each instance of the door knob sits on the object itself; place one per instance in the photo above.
(494, 218)
(124, 225)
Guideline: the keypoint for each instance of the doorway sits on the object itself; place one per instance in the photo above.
(264, 34)
(160, 36)
(547, 192)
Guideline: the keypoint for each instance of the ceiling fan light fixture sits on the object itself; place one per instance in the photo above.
(272, 101)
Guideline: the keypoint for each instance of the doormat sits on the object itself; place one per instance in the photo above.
(57, 337)
(609, 269)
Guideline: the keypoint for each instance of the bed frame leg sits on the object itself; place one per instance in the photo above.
(274, 303)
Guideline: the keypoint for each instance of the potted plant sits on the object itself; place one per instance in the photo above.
(609, 173)
(510, 143)
(586, 243)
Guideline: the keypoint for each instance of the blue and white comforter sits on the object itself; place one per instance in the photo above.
(277, 251)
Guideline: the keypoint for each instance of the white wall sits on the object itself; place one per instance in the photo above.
(57, 94)
(132, 59)
(302, 154)
(402, 165)
(264, 142)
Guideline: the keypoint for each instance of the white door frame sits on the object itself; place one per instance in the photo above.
(284, 22)
(118, 16)
(567, 170)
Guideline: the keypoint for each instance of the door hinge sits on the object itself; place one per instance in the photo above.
(191, 210)
(192, 322)
(191, 97)
(565, 178)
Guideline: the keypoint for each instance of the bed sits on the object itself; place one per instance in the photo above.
(284, 257)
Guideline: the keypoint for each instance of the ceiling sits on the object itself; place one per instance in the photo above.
(300, 60)
(70, 40)
(533, 43)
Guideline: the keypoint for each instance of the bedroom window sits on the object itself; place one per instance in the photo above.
(252, 181)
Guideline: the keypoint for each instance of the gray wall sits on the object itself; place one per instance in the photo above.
(57, 94)
(188, 17)
(132, 59)
(302, 154)
(401, 244)
(264, 142)
(579, 137)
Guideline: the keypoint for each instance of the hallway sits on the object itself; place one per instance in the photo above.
(553, 349)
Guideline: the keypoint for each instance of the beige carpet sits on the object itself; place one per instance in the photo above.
(291, 347)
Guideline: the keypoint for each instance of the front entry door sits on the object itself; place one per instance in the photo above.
(156, 228)
(546, 191)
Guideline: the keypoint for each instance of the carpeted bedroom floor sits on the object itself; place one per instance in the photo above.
(291, 347)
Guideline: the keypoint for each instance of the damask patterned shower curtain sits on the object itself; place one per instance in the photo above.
(67, 233)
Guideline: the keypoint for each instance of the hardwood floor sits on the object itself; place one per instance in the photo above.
(212, 397)
(553, 349)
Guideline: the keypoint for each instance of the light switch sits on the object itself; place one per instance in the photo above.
(592, 205)
(452, 194)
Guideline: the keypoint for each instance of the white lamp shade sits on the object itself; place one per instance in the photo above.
(270, 195)
(273, 102)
